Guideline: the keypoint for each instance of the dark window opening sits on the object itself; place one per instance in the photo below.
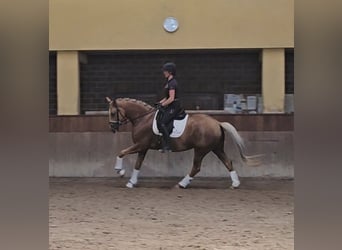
(289, 71)
(204, 76)
(52, 84)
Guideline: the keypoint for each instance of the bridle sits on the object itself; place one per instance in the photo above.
(114, 125)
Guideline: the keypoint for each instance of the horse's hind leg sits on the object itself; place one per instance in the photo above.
(228, 163)
(134, 178)
(198, 157)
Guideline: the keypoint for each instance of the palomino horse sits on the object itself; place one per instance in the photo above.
(202, 133)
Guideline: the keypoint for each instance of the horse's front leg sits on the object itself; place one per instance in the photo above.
(134, 178)
(119, 159)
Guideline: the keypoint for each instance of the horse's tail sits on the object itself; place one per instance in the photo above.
(249, 160)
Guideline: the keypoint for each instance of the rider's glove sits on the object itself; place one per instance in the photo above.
(159, 106)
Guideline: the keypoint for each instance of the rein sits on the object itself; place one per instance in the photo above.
(116, 124)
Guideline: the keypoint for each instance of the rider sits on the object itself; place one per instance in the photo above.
(169, 105)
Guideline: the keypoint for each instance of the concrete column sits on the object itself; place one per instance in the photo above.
(273, 80)
(68, 83)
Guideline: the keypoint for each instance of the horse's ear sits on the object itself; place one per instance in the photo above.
(108, 99)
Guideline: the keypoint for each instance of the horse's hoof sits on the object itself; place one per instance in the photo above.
(129, 185)
(180, 187)
(122, 172)
(232, 187)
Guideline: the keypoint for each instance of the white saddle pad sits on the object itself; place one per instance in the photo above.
(178, 126)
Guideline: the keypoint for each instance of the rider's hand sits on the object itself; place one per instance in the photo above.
(158, 105)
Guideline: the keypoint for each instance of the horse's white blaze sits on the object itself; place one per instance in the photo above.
(185, 181)
(235, 179)
(118, 163)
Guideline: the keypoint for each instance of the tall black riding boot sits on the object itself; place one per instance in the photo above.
(165, 140)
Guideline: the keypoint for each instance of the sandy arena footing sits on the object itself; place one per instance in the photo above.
(100, 213)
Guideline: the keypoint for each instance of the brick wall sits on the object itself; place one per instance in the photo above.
(52, 84)
(204, 76)
(289, 71)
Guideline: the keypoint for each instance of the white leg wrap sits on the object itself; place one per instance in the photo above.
(122, 172)
(134, 179)
(118, 163)
(235, 179)
(186, 181)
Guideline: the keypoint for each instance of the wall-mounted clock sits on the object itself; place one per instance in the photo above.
(170, 24)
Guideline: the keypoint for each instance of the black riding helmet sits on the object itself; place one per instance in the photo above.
(170, 67)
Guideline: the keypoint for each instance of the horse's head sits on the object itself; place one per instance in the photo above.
(116, 115)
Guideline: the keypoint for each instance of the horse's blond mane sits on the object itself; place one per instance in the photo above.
(135, 101)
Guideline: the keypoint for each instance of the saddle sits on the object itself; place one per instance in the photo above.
(175, 127)
(180, 116)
